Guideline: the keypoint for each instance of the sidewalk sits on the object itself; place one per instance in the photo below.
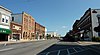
(94, 46)
(15, 42)
(87, 43)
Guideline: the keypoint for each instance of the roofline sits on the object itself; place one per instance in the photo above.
(95, 9)
(16, 23)
(5, 9)
(16, 13)
(39, 24)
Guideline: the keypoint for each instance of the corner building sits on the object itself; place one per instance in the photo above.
(87, 23)
(5, 16)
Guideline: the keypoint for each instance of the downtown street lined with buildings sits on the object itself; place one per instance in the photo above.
(25, 36)
(20, 27)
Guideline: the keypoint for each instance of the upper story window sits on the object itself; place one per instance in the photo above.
(13, 26)
(2, 19)
(98, 16)
(94, 11)
(6, 20)
(12, 18)
(99, 20)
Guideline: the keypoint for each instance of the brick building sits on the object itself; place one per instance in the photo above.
(28, 25)
(39, 31)
(16, 31)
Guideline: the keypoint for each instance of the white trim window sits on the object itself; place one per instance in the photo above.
(5, 19)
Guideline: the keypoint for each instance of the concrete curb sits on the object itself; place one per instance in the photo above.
(89, 43)
(17, 42)
(90, 46)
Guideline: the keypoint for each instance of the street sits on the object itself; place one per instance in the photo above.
(68, 48)
(47, 47)
(30, 48)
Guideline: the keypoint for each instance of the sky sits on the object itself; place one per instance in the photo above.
(55, 15)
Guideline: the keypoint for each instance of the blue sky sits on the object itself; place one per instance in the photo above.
(55, 15)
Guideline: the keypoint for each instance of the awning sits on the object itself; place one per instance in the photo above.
(5, 31)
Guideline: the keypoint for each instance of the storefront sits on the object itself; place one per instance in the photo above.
(4, 34)
(16, 31)
(5, 16)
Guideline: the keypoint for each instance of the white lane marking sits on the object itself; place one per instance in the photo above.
(80, 48)
(68, 52)
(58, 52)
(6, 49)
(75, 50)
(47, 53)
(79, 51)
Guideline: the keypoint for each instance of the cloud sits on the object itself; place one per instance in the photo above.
(64, 26)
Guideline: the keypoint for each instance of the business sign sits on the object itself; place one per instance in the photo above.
(5, 31)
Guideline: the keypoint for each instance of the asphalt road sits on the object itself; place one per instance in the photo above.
(30, 48)
(47, 47)
(68, 48)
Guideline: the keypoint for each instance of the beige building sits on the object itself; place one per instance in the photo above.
(5, 16)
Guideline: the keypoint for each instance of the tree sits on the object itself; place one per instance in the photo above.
(48, 36)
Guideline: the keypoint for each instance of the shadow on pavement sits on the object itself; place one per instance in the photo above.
(63, 45)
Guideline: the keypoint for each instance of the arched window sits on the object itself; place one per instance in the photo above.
(24, 34)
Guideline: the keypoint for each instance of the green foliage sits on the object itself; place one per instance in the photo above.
(97, 39)
(48, 36)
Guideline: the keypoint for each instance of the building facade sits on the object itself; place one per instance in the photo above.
(53, 34)
(16, 31)
(28, 25)
(39, 31)
(87, 23)
(5, 16)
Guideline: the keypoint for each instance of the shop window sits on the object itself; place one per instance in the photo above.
(16, 36)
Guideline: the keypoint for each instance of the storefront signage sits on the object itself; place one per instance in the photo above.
(5, 31)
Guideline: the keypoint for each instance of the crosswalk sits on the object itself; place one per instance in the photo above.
(68, 51)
